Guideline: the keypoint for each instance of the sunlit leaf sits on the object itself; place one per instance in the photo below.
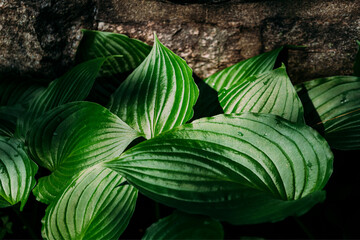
(270, 92)
(246, 168)
(96, 44)
(71, 138)
(239, 72)
(332, 106)
(93, 206)
(159, 95)
(17, 173)
(180, 225)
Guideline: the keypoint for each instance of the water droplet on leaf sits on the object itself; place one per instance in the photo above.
(309, 164)
(343, 100)
(240, 134)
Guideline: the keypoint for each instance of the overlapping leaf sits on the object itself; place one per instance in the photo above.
(159, 95)
(91, 207)
(332, 106)
(357, 61)
(17, 173)
(96, 44)
(8, 119)
(242, 70)
(246, 168)
(74, 85)
(71, 138)
(270, 92)
(180, 225)
(21, 92)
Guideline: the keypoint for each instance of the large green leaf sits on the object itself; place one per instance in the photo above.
(159, 95)
(74, 85)
(270, 92)
(180, 225)
(93, 206)
(239, 72)
(96, 44)
(71, 138)
(245, 168)
(357, 61)
(17, 173)
(332, 106)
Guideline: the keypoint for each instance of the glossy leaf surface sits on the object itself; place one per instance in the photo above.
(91, 207)
(332, 106)
(245, 168)
(71, 138)
(180, 225)
(270, 92)
(17, 173)
(237, 73)
(159, 95)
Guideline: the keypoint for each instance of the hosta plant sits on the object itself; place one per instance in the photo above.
(243, 146)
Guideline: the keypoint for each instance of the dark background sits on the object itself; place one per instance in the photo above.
(38, 39)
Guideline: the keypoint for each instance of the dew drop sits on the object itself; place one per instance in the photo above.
(343, 100)
(240, 134)
(309, 165)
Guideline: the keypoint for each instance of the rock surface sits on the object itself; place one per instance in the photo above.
(40, 37)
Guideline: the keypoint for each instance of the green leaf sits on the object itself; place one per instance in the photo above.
(181, 225)
(246, 168)
(270, 92)
(237, 73)
(357, 61)
(93, 206)
(17, 173)
(71, 138)
(8, 119)
(74, 85)
(96, 44)
(14, 91)
(332, 106)
(159, 95)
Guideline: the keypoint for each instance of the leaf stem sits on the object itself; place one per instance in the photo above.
(304, 228)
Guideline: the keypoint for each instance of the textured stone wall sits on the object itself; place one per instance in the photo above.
(40, 37)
